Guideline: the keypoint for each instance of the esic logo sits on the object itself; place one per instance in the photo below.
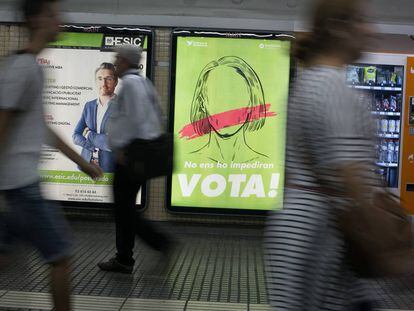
(114, 41)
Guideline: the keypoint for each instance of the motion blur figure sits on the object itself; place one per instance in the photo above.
(27, 215)
(135, 115)
(329, 164)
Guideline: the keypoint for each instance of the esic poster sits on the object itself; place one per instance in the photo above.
(79, 77)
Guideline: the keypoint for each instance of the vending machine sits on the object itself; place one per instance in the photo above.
(407, 155)
(379, 78)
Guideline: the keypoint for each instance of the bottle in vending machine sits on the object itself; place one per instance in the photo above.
(400, 79)
(383, 76)
(352, 75)
(378, 122)
(370, 75)
(383, 151)
(377, 103)
(393, 103)
(394, 78)
(397, 76)
(386, 104)
(399, 102)
(391, 126)
(396, 152)
(390, 152)
(397, 126)
(384, 126)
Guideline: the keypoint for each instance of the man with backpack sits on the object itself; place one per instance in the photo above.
(135, 115)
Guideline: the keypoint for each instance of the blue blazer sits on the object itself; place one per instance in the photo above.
(94, 140)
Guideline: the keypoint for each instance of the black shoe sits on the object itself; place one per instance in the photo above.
(114, 265)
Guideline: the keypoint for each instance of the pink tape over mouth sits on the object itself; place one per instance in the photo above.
(226, 119)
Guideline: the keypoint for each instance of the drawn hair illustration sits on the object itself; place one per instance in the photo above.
(254, 86)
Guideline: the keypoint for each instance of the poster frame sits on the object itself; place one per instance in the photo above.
(215, 33)
(96, 28)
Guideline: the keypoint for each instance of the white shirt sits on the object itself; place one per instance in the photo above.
(135, 113)
(100, 112)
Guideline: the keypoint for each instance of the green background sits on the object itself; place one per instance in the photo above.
(270, 60)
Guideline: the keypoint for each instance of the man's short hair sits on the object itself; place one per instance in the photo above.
(32, 8)
(108, 66)
(131, 53)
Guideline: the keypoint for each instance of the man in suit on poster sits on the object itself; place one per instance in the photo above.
(90, 132)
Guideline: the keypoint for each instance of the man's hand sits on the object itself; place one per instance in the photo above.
(93, 170)
(85, 132)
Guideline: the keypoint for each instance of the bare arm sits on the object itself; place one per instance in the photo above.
(92, 170)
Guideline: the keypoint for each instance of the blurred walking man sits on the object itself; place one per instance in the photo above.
(22, 132)
(134, 116)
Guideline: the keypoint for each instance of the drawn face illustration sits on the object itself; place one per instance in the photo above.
(228, 100)
(226, 91)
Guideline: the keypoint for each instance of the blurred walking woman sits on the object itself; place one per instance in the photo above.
(329, 139)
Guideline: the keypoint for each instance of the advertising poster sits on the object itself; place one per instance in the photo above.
(230, 102)
(80, 87)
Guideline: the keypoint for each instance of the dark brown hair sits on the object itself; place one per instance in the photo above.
(108, 66)
(328, 16)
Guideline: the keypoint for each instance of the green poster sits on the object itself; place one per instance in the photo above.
(229, 123)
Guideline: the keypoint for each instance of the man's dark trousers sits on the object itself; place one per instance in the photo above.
(127, 221)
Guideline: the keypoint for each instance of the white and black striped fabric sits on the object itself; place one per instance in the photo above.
(327, 127)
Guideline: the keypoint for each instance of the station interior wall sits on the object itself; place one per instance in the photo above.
(13, 37)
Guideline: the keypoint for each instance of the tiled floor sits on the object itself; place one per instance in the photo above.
(42, 301)
(213, 268)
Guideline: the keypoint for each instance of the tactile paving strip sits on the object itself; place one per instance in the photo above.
(42, 301)
(23, 301)
(211, 264)
(27, 300)
(215, 306)
(153, 305)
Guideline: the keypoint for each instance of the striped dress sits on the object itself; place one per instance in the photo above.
(304, 251)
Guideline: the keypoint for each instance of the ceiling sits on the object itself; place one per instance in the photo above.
(203, 8)
(384, 11)
(395, 11)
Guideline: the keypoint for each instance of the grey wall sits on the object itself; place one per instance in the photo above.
(389, 16)
(394, 26)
